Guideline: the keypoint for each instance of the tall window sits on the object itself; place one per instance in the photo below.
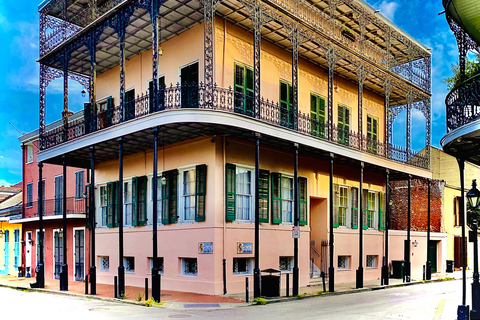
(59, 195)
(29, 153)
(189, 82)
(189, 194)
(372, 134)
(161, 95)
(159, 197)
(127, 203)
(282, 199)
(79, 185)
(343, 125)
(103, 204)
(244, 90)
(372, 205)
(317, 115)
(244, 194)
(108, 204)
(286, 108)
(342, 206)
(29, 194)
(287, 199)
(129, 105)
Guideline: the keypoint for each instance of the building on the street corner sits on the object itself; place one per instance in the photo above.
(193, 92)
(54, 200)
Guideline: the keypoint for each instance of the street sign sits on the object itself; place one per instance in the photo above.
(296, 232)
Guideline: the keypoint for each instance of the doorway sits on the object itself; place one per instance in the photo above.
(318, 237)
(433, 255)
(189, 85)
(79, 239)
(58, 252)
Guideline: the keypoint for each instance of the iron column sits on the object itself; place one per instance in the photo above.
(121, 268)
(387, 221)
(295, 222)
(463, 309)
(428, 265)
(256, 271)
(155, 277)
(359, 283)
(408, 265)
(93, 270)
(64, 273)
(40, 266)
(331, 268)
(475, 313)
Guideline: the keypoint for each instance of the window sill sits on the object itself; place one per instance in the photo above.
(243, 274)
(243, 221)
(188, 275)
(286, 271)
(371, 267)
(130, 272)
(187, 222)
(344, 269)
(286, 224)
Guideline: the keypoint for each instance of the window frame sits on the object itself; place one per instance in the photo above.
(100, 264)
(161, 269)
(248, 265)
(182, 196)
(29, 203)
(126, 263)
(29, 157)
(79, 188)
(343, 128)
(375, 260)
(182, 266)
(317, 126)
(286, 120)
(347, 264)
(372, 137)
(247, 93)
(290, 263)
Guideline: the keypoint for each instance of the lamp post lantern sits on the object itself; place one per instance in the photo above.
(473, 197)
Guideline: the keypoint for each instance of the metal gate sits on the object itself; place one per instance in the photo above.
(324, 253)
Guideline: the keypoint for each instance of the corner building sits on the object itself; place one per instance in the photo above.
(215, 78)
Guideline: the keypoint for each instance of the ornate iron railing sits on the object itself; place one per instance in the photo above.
(54, 207)
(463, 103)
(226, 100)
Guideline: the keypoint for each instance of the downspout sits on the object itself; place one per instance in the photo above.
(224, 220)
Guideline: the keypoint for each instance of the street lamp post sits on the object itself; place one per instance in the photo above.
(473, 197)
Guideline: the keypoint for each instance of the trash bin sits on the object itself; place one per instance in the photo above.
(270, 284)
(398, 269)
(449, 266)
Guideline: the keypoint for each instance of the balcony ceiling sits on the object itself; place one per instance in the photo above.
(179, 16)
(467, 14)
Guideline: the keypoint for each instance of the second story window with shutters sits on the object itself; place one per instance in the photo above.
(343, 126)
(79, 185)
(244, 103)
(286, 108)
(29, 153)
(372, 134)
(29, 194)
(317, 115)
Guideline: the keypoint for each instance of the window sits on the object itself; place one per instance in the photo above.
(373, 206)
(372, 261)
(104, 263)
(189, 85)
(79, 185)
(189, 266)
(240, 192)
(317, 115)
(343, 125)
(127, 203)
(343, 262)
(139, 199)
(244, 103)
(286, 264)
(108, 204)
(29, 194)
(29, 153)
(160, 264)
(354, 208)
(282, 199)
(161, 95)
(129, 264)
(129, 105)
(342, 206)
(103, 204)
(372, 134)
(193, 192)
(242, 266)
(59, 195)
(160, 190)
(286, 108)
(104, 113)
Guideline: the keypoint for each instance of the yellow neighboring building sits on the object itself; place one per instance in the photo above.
(445, 167)
(10, 242)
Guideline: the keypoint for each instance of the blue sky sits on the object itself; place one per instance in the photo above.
(19, 74)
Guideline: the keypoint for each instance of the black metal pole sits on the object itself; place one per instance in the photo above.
(64, 273)
(146, 289)
(408, 265)
(256, 271)
(428, 266)
(475, 313)
(385, 273)
(295, 223)
(41, 266)
(93, 269)
(463, 309)
(224, 263)
(359, 283)
(331, 268)
(121, 268)
(155, 277)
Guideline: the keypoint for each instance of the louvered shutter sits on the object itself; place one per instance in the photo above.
(200, 191)
(263, 191)
(230, 185)
(336, 195)
(354, 208)
(276, 197)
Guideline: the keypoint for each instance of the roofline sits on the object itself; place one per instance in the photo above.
(43, 4)
(392, 25)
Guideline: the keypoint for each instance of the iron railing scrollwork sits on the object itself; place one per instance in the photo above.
(192, 95)
(463, 103)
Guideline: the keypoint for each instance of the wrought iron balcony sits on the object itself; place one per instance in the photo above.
(54, 207)
(463, 103)
(226, 100)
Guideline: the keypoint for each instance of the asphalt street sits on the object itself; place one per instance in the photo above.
(424, 301)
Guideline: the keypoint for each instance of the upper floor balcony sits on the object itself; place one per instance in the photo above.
(227, 101)
(354, 29)
(53, 209)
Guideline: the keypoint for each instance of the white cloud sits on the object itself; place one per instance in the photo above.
(387, 9)
(4, 182)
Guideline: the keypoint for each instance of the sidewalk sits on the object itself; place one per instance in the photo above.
(188, 300)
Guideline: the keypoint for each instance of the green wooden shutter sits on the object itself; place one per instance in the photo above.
(110, 204)
(354, 208)
(200, 191)
(142, 201)
(231, 184)
(336, 195)
(165, 198)
(285, 104)
(381, 212)
(172, 195)
(276, 197)
(303, 201)
(115, 203)
(239, 88)
(134, 201)
(109, 110)
(249, 108)
(365, 208)
(263, 188)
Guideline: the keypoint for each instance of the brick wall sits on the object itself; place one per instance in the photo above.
(419, 201)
